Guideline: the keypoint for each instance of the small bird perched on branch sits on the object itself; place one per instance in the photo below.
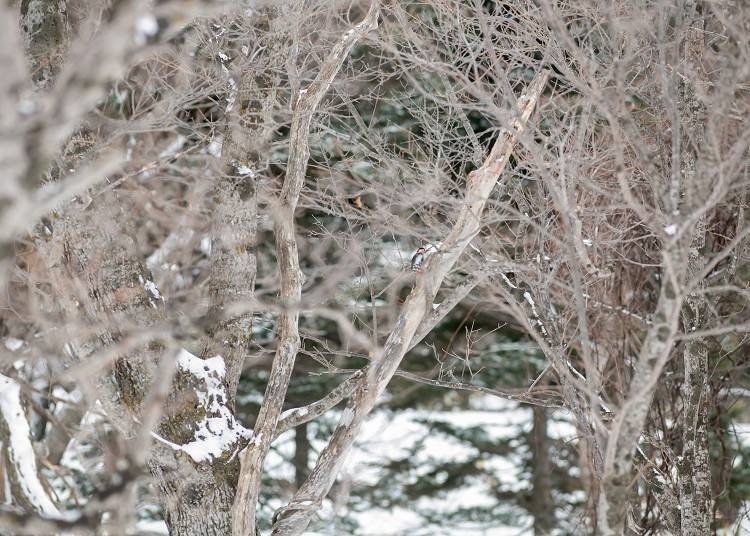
(417, 259)
(421, 254)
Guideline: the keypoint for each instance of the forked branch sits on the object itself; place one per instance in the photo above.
(251, 458)
(294, 518)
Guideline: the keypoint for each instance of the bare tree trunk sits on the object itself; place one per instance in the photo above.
(683, 260)
(197, 494)
(694, 467)
(45, 28)
(542, 504)
(627, 427)
(301, 454)
(203, 505)
(307, 102)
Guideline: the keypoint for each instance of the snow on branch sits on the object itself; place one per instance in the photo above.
(20, 451)
(219, 431)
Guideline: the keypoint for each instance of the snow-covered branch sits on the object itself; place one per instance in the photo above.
(26, 482)
(218, 432)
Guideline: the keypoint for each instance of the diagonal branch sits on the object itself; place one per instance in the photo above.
(294, 518)
(295, 417)
(251, 458)
(441, 310)
(26, 482)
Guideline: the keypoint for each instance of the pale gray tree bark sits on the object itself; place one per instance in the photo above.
(694, 465)
(305, 105)
(294, 518)
(691, 193)
(99, 281)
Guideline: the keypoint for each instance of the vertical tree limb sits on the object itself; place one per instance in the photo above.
(252, 457)
(628, 424)
(694, 465)
(294, 518)
(682, 260)
(542, 503)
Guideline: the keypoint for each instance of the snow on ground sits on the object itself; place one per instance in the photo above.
(400, 522)
(148, 527)
(386, 435)
(392, 436)
(741, 527)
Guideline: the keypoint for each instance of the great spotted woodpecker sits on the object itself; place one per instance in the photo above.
(421, 254)
(417, 259)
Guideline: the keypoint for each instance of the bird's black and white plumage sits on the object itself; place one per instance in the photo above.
(421, 254)
(417, 259)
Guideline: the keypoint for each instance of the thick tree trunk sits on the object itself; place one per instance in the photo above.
(45, 28)
(98, 274)
(42, 40)
(197, 494)
(197, 498)
(205, 491)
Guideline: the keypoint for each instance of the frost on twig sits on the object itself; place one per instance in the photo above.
(218, 432)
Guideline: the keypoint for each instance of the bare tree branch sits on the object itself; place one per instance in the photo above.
(294, 518)
(294, 417)
(307, 102)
